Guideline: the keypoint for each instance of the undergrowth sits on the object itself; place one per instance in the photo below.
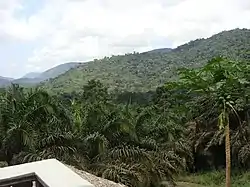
(216, 179)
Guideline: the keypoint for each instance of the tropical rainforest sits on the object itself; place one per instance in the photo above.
(142, 72)
(195, 122)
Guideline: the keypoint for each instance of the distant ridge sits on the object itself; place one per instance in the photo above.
(141, 71)
(146, 71)
(4, 81)
(161, 50)
(31, 75)
(34, 78)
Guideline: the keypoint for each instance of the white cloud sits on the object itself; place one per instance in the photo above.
(85, 29)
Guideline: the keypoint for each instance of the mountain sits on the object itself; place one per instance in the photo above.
(27, 81)
(162, 50)
(5, 81)
(35, 78)
(6, 78)
(146, 71)
(31, 75)
(58, 70)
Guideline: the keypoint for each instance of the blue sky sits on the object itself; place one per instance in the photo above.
(29, 8)
(36, 35)
(14, 52)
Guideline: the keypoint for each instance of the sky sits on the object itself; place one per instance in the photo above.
(36, 35)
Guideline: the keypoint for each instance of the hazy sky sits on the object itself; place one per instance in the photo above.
(38, 34)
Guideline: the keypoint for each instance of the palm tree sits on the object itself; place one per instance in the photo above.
(224, 81)
(121, 143)
(34, 125)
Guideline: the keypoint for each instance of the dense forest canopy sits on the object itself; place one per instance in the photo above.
(146, 71)
(189, 112)
(135, 143)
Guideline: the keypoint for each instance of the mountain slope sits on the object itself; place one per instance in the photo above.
(31, 75)
(5, 81)
(35, 78)
(162, 50)
(6, 78)
(58, 70)
(146, 71)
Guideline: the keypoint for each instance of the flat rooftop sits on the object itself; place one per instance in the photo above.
(51, 172)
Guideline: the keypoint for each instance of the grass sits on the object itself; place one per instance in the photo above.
(214, 179)
(187, 184)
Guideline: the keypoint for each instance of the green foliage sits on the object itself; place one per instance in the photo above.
(220, 91)
(124, 143)
(216, 179)
(32, 122)
(146, 71)
(136, 144)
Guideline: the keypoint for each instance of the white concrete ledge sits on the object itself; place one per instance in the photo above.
(52, 172)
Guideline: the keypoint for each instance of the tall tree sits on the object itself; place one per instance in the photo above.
(225, 82)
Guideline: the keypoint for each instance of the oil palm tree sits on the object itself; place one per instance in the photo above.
(33, 123)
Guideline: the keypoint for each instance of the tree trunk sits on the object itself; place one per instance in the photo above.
(228, 155)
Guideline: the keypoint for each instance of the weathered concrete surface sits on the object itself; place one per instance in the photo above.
(52, 172)
(96, 181)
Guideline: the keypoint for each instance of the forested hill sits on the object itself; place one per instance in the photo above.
(146, 71)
